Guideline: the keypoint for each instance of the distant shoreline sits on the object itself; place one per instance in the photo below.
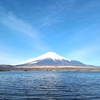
(51, 68)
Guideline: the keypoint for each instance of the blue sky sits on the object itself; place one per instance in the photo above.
(30, 28)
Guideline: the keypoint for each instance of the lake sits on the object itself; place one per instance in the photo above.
(48, 85)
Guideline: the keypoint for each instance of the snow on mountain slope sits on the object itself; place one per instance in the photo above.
(48, 55)
(52, 56)
(50, 59)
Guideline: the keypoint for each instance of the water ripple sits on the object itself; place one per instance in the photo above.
(49, 86)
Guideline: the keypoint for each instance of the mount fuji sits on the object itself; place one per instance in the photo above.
(50, 59)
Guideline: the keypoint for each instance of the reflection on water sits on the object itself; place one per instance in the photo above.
(49, 86)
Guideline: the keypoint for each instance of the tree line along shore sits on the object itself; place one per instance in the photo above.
(48, 68)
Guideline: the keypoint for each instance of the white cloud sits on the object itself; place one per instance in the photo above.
(27, 32)
(24, 32)
(16, 24)
(57, 12)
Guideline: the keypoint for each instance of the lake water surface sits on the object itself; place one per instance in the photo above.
(42, 85)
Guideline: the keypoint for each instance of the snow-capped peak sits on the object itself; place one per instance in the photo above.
(48, 55)
(51, 55)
